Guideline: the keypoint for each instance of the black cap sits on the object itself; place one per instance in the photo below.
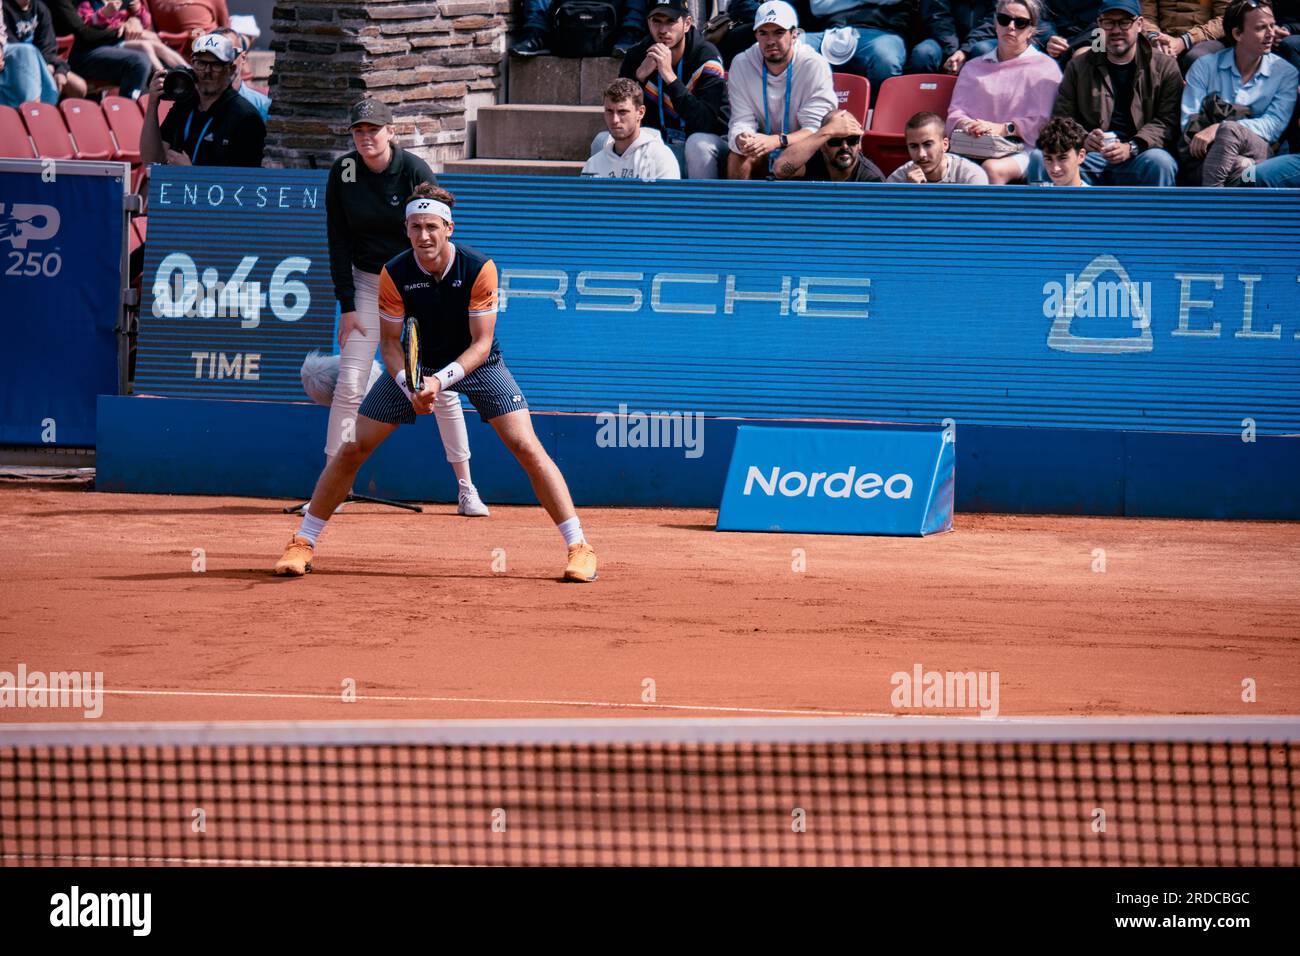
(370, 111)
(680, 7)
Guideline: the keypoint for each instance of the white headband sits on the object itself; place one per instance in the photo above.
(439, 209)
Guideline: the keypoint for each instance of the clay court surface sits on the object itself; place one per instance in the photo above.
(410, 608)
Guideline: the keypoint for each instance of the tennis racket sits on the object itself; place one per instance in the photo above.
(414, 380)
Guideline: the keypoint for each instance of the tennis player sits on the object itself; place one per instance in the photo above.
(452, 292)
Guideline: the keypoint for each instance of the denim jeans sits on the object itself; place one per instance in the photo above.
(129, 69)
(1280, 172)
(24, 78)
(879, 56)
(631, 14)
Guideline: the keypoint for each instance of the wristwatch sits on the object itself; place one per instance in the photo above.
(1011, 129)
(1134, 147)
(785, 141)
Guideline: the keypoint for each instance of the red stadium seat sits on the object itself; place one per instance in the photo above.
(89, 129)
(65, 45)
(49, 134)
(14, 141)
(125, 120)
(901, 98)
(854, 93)
(136, 235)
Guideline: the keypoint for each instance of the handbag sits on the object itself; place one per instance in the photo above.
(984, 147)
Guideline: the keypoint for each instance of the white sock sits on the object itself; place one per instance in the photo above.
(572, 531)
(311, 527)
(461, 468)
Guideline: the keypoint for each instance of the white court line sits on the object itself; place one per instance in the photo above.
(696, 708)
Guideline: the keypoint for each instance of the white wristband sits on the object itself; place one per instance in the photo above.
(450, 375)
(400, 379)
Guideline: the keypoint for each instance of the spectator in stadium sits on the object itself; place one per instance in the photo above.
(195, 17)
(684, 88)
(365, 221)
(1066, 28)
(1287, 33)
(981, 36)
(215, 126)
(732, 32)
(260, 100)
(1186, 29)
(1130, 90)
(132, 16)
(780, 91)
(832, 155)
(632, 151)
(23, 78)
(1245, 75)
(864, 37)
(1009, 91)
(1062, 145)
(931, 162)
(29, 22)
(532, 38)
(98, 54)
(949, 24)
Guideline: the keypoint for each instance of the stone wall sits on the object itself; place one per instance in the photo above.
(434, 63)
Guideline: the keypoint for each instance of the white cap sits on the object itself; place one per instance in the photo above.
(778, 12)
(217, 45)
(839, 45)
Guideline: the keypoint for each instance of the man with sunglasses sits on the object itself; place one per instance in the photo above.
(214, 126)
(831, 155)
(1127, 97)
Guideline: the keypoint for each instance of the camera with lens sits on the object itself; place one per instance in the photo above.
(178, 83)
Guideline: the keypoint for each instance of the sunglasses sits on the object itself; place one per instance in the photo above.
(843, 141)
(1006, 20)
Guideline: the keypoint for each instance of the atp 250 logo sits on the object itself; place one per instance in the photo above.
(22, 224)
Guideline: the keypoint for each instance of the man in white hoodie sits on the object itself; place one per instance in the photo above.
(780, 91)
(631, 152)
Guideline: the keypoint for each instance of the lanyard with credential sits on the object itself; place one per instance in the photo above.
(789, 74)
(194, 157)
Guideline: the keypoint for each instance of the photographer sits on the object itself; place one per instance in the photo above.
(211, 124)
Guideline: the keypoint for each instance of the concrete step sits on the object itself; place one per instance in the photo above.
(557, 80)
(531, 131)
(514, 167)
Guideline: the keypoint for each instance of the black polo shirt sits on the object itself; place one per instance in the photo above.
(863, 171)
(230, 134)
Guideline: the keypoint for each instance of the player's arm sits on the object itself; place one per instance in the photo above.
(392, 312)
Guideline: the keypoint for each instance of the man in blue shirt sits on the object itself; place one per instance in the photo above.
(260, 101)
(1246, 74)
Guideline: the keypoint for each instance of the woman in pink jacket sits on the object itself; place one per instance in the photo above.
(132, 19)
(1008, 91)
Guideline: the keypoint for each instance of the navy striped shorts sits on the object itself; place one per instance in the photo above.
(491, 389)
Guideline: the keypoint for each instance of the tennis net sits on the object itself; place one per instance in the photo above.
(902, 791)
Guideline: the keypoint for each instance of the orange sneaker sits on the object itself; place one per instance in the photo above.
(582, 563)
(296, 560)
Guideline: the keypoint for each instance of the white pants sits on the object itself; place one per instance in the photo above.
(355, 361)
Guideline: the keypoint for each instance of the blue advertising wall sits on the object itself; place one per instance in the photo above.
(61, 234)
(1055, 328)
